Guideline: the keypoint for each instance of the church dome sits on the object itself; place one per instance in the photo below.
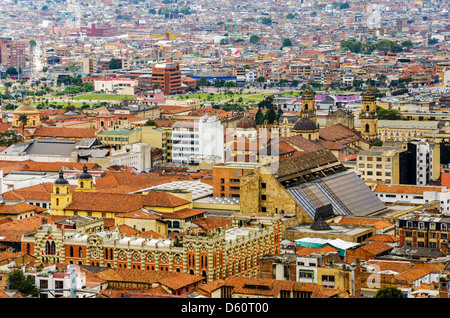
(304, 124)
(61, 180)
(26, 107)
(85, 175)
(246, 122)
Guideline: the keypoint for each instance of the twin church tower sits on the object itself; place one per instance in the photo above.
(367, 115)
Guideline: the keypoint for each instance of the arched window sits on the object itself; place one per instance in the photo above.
(367, 128)
(81, 184)
(80, 252)
(57, 201)
(47, 247)
(53, 248)
(306, 106)
(71, 251)
(176, 224)
(367, 108)
(57, 190)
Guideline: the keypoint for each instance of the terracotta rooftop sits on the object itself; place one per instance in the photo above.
(64, 132)
(122, 203)
(399, 188)
(13, 231)
(19, 208)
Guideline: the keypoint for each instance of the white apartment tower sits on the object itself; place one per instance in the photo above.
(203, 137)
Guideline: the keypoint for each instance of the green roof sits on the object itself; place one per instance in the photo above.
(117, 132)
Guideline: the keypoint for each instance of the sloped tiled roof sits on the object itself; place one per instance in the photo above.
(15, 209)
(122, 203)
(64, 132)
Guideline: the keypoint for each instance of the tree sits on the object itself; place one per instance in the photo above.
(10, 137)
(407, 44)
(23, 120)
(279, 113)
(254, 39)
(202, 81)
(291, 15)
(114, 64)
(24, 284)
(150, 122)
(388, 46)
(270, 116)
(259, 117)
(389, 292)
(261, 79)
(286, 42)
(32, 43)
(266, 21)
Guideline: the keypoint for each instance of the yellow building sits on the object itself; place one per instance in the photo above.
(171, 36)
(119, 137)
(32, 113)
(380, 164)
(173, 208)
(368, 115)
(159, 137)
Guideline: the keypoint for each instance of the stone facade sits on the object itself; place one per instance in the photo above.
(234, 251)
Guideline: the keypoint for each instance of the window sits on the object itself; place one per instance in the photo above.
(263, 197)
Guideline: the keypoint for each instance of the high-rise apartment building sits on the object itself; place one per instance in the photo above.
(167, 76)
(204, 137)
(13, 53)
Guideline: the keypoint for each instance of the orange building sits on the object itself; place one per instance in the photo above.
(226, 178)
(167, 76)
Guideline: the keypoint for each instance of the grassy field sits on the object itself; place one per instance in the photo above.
(222, 96)
(102, 97)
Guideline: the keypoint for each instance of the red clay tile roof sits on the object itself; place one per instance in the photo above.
(13, 231)
(64, 132)
(19, 208)
(127, 231)
(338, 133)
(376, 247)
(210, 223)
(122, 203)
(400, 188)
(378, 224)
(39, 192)
(384, 238)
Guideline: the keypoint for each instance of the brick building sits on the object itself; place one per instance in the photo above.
(13, 53)
(216, 254)
(167, 76)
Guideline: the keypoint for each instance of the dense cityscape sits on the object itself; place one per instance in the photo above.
(201, 149)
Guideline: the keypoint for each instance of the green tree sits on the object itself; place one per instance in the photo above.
(32, 43)
(254, 39)
(291, 15)
(10, 137)
(150, 122)
(286, 42)
(24, 284)
(389, 292)
(23, 120)
(407, 44)
(259, 117)
(270, 116)
(202, 81)
(266, 21)
(388, 46)
(114, 64)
